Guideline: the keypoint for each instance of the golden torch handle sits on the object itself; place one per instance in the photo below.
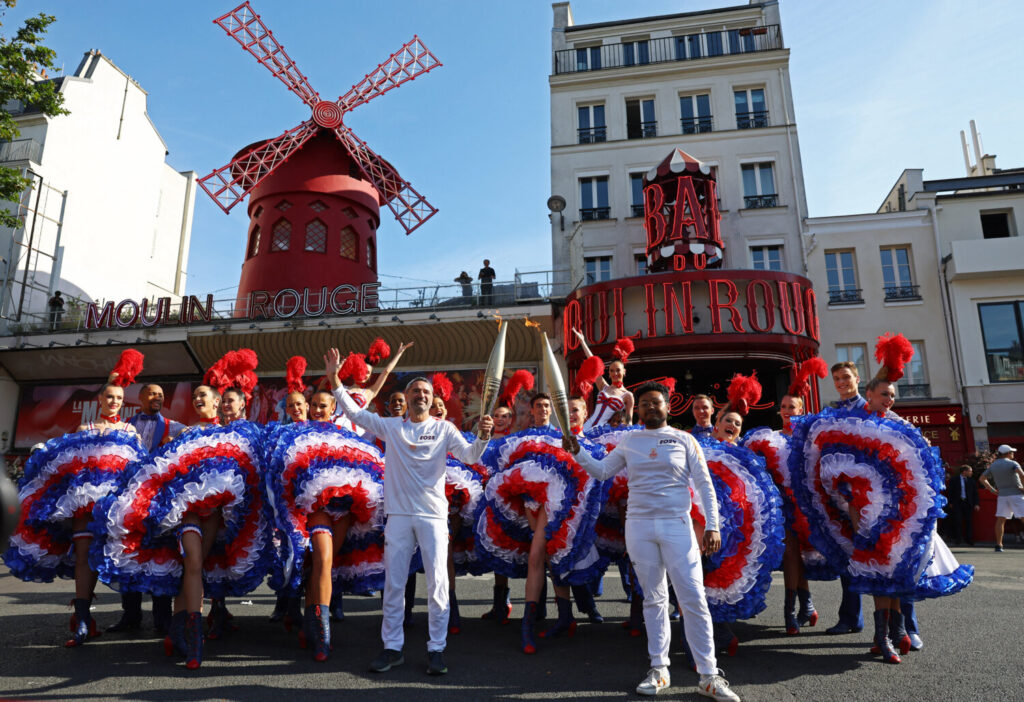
(492, 376)
(555, 386)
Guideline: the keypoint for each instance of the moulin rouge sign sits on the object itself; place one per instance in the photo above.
(260, 304)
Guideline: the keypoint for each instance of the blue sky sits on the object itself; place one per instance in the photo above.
(879, 86)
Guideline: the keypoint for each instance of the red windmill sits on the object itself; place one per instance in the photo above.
(315, 191)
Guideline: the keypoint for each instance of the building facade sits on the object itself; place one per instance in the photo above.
(714, 84)
(105, 214)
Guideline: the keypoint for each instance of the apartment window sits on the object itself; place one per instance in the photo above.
(858, 355)
(696, 113)
(254, 241)
(751, 110)
(741, 41)
(316, 236)
(635, 52)
(995, 225)
(640, 263)
(640, 122)
(896, 275)
(758, 186)
(349, 243)
(588, 59)
(914, 382)
(594, 198)
(636, 194)
(282, 235)
(1002, 331)
(591, 127)
(766, 258)
(841, 273)
(598, 268)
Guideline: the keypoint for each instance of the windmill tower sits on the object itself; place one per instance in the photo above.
(315, 191)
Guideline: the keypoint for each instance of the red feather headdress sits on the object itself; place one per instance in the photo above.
(128, 366)
(235, 369)
(520, 380)
(623, 348)
(744, 391)
(893, 352)
(294, 369)
(802, 372)
(669, 383)
(442, 386)
(354, 369)
(379, 350)
(587, 375)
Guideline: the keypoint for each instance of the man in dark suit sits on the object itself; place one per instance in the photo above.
(962, 493)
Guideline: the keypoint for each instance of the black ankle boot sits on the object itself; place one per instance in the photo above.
(585, 603)
(789, 613)
(174, 642)
(337, 605)
(454, 620)
(161, 613)
(501, 607)
(83, 627)
(131, 613)
(528, 634)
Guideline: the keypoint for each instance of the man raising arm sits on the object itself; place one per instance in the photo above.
(415, 505)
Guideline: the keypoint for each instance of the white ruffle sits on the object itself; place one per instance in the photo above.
(212, 483)
(45, 559)
(338, 476)
(81, 497)
(83, 453)
(463, 478)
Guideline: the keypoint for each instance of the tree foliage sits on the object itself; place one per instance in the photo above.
(22, 61)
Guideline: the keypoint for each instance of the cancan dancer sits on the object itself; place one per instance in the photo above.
(661, 462)
(612, 396)
(416, 507)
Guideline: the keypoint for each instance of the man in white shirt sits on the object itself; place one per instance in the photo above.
(661, 462)
(415, 505)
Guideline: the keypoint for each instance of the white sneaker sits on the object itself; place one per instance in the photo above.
(717, 688)
(657, 680)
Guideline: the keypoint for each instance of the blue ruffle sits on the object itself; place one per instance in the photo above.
(731, 518)
(39, 522)
(923, 460)
(942, 585)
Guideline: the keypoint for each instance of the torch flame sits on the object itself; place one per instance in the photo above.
(530, 323)
(497, 318)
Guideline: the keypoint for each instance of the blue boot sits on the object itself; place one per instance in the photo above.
(501, 607)
(585, 603)
(219, 620)
(83, 627)
(337, 605)
(454, 620)
(319, 622)
(789, 613)
(807, 614)
(174, 642)
(565, 624)
(193, 640)
(882, 642)
(528, 634)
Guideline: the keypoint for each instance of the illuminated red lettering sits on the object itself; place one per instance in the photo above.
(688, 214)
(791, 307)
(651, 308)
(589, 321)
(570, 321)
(767, 304)
(654, 220)
(620, 313)
(673, 310)
(811, 308)
(712, 217)
(715, 305)
(679, 262)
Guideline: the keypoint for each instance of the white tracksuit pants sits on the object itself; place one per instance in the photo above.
(657, 545)
(402, 534)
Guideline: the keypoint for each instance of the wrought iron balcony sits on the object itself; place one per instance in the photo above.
(758, 202)
(592, 135)
(847, 296)
(696, 125)
(690, 47)
(902, 292)
(752, 120)
(636, 210)
(589, 214)
(644, 130)
(910, 390)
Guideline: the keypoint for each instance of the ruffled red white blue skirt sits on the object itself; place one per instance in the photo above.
(846, 461)
(464, 488)
(64, 480)
(320, 467)
(611, 521)
(200, 472)
(529, 470)
(737, 577)
(774, 448)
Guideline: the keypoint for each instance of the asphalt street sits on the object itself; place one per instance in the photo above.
(974, 645)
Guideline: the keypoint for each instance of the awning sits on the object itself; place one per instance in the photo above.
(92, 363)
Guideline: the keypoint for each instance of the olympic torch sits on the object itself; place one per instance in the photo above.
(554, 385)
(492, 376)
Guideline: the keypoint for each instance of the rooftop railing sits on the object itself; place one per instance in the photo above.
(688, 47)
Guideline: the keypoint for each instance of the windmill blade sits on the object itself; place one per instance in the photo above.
(409, 62)
(245, 26)
(228, 185)
(409, 207)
